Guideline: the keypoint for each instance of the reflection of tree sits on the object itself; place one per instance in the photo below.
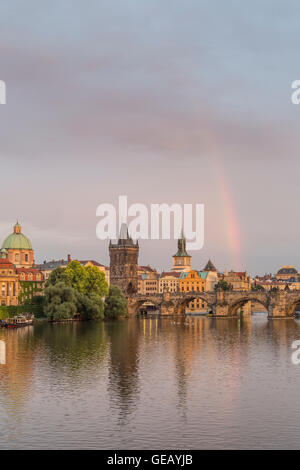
(124, 362)
(74, 346)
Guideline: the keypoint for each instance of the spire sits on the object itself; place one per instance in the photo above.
(181, 245)
(124, 237)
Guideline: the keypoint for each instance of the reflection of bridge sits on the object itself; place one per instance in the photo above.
(279, 304)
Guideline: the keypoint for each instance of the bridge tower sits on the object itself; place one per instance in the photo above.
(124, 262)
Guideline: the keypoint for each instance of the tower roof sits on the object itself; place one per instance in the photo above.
(210, 266)
(124, 238)
(181, 245)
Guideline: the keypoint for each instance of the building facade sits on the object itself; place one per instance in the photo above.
(237, 280)
(197, 281)
(148, 283)
(9, 283)
(169, 282)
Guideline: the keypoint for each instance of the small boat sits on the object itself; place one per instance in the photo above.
(19, 321)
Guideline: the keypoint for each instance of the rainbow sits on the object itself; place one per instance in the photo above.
(233, 231)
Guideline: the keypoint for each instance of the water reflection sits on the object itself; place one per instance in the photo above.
(124, 365)
(150, 383)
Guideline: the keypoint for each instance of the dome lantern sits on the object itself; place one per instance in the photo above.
(17, 228)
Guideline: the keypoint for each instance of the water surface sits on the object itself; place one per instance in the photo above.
(155, 383)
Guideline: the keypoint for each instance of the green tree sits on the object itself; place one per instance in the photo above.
(77, 276)
(115, 303)
(60, 301)
(75, 289)
(223, 285)
(57, 275)
(90, 307)
(95, 281)
(257, 287)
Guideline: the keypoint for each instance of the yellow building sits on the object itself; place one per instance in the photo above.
(197, 281)
(9, 282)
(182, 260)
(168, 282)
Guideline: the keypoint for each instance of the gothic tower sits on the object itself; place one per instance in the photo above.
(124, 262)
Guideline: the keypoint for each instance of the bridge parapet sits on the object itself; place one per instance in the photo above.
(279, 304)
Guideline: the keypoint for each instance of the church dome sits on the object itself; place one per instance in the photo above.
(17, 240)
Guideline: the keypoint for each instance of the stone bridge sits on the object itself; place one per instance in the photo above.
(279, 304)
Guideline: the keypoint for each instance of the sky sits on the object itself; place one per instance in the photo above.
(165, 102)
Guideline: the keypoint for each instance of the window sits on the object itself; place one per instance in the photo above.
(26, 258)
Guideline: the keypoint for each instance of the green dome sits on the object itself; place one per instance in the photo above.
(16, 240)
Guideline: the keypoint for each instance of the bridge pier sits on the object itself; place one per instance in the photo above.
(278, 307)
(221, 310)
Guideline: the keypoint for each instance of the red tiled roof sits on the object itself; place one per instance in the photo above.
(28, 270)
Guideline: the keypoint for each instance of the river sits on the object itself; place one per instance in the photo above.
(154, 383)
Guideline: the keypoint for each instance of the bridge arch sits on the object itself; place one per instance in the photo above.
(134, 304)
(292, 305)
(241, 300)
(183, 302)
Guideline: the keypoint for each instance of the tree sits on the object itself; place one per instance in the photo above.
(75, 289)
(115, 303)
(57, 275)
(223, 285)
(257, 287)
(90, 307)
(95, 281)
(77, 276)
(60, 301)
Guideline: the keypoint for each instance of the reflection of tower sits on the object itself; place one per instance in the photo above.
(124, 262)
(182, 260)
(124, 367)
